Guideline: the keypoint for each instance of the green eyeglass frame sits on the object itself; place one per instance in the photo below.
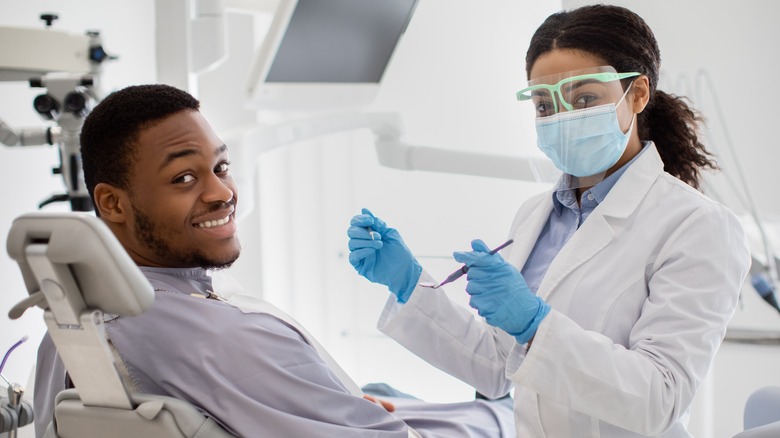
(526, 93)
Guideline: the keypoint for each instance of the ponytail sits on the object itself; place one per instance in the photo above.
(673, 126)
(623, 40)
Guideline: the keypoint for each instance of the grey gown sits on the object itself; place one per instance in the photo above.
(253, 373)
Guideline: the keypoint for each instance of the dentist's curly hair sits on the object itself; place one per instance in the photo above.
(623, 40)
(111, 130)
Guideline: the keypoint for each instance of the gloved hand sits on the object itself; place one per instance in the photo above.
(386, 260)
(499, 293)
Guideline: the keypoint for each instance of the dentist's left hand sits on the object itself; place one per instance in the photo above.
(499, 293)
(386, 260)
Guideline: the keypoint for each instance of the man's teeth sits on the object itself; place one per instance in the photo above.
(216, 223)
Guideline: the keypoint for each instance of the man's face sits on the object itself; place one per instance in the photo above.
(182, 196)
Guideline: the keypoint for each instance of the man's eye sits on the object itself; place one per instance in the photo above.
(222, 167)
(184, 179)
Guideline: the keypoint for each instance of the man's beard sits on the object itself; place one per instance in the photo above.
(148, 234)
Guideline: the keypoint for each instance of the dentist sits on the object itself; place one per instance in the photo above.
(607, 311)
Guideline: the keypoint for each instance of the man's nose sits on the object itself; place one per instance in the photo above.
(217, 190)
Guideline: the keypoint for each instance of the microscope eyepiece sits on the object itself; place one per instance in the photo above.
(75, 102)
(46, 106)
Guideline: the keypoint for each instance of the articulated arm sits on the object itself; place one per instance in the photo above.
(28, 136)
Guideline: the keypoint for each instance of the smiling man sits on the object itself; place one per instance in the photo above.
(165, 192)
(159, 177)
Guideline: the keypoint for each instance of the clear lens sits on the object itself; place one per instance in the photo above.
(579, 141)
(574, 90)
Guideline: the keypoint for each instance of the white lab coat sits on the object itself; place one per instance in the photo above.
(640, 296)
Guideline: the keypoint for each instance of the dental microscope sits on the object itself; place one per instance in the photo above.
(66, 67)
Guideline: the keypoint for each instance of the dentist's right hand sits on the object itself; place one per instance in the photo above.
(387, 260)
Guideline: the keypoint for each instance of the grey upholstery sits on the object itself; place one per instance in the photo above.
(153, 417)
(762, 414)
(75, 269)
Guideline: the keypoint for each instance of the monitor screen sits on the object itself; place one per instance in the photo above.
(327, 49)
(340, 40)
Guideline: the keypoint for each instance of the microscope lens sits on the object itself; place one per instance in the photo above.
(75, 102)
(45, 104)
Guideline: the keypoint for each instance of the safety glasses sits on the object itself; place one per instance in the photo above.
(574, 90)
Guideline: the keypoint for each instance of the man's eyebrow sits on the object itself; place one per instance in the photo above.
(187, 152)
(176, 155)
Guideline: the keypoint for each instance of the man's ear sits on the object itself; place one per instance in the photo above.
(111, 202)
(640, 94)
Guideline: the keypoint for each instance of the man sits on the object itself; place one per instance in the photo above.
(159, 178)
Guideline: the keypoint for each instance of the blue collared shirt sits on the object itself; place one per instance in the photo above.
(565, 218)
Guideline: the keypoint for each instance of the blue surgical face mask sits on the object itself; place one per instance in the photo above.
(583, 142)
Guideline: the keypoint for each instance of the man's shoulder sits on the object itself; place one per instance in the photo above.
(175, 317)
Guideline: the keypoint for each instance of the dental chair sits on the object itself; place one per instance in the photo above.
(76, 270)
(762, 414)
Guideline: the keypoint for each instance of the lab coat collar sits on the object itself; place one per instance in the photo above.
(632, 187)
(597, 232)
(564, 197)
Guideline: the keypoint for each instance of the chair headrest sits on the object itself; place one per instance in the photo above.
(107, 277)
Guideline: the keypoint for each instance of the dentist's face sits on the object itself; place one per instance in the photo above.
(182, 196)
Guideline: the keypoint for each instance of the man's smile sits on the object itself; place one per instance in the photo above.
(214, 223)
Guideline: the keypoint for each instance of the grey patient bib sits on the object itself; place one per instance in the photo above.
(248, 304)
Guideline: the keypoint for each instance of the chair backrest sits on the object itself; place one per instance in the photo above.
(762, 414)
(762, 407)
(75, 269)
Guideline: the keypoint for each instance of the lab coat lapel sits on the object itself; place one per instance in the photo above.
(598, 231)
(592, 237)
(526, 229)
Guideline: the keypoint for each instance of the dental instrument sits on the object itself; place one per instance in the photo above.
(463, 269)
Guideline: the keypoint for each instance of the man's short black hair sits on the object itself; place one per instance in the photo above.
(111, 130)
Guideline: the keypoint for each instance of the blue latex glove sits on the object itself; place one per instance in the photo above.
(499, 293)
(386, 260)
